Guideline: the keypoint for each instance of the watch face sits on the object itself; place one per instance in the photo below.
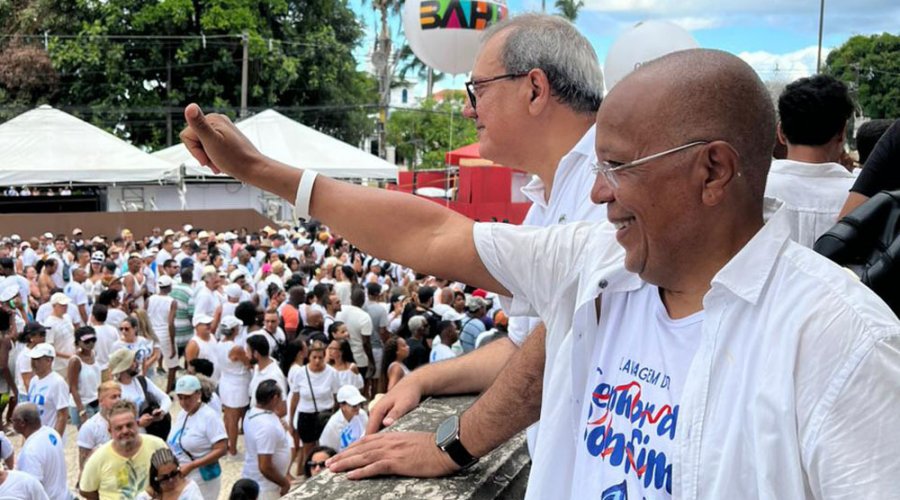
(446, 432)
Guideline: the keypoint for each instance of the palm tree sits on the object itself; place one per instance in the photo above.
(412, 64)
(569, 8)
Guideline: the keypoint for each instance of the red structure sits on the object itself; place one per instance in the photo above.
(477, 189)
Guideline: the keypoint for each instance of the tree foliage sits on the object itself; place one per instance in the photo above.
(871, 64)
(568, 9)
(125, 64)
(430, 131)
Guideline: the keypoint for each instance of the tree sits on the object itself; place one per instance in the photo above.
(412, 64)
(871, 65)
(568, 9)
(131, 65)
(430, 131)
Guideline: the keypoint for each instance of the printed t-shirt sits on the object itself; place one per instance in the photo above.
(116, 477)
(632, 398)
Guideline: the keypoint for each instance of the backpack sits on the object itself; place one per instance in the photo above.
(867, 242)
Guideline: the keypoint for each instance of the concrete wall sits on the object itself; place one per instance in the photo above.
(231, 195)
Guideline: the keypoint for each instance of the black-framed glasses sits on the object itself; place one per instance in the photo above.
(471, 84)
(313, 465)
(169, 476)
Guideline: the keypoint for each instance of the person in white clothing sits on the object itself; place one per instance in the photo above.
(95, 432)
(21, 485)
(60, 332)
(313, 389)
(106, 335)
(140, 390)
(813, 116)
(359, 328)
(198, 438)
(167, 479)
(32, 335)
(348, 424)
(203, 344)
(42, 455)
(264, 367)
(206, 303)
(76, 292)
(47, 390)
(129, 339)
(447, 335)
(84, 378)
(268, 443)
(234, 380)
(684, 145)
(161, 308)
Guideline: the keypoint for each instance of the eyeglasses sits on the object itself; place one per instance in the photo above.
(609, 168)
(169, 476)
(471, 84)
(314, 465)
(125, 328)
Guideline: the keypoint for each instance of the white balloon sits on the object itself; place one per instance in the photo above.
(643, 42)
(446, 34)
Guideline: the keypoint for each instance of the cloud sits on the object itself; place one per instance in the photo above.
(784, 67)
(697, 23)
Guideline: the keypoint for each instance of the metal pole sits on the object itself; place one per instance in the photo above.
(168, 101)
(821, 22)
(245, 38)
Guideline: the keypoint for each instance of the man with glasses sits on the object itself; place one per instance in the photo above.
(704, 355)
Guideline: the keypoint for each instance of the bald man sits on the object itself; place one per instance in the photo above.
(698, 352)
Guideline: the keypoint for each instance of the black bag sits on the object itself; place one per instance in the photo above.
(158, 428)
(322, 417)
(867, 242)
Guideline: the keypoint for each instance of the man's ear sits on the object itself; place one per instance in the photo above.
(539, 89)
(720, 167)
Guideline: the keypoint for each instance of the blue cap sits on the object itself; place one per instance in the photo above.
(186, 262)
(187, 384)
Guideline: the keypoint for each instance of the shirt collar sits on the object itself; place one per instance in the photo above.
(804, 169)
(748, 272)
(535, 190)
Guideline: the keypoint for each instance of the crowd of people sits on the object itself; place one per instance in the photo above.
(280, 335)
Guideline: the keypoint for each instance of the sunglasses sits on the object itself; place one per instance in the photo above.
(313, 465)
(169, 476)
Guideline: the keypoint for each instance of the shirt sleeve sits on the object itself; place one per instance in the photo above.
(533, 264)
(61, 395)
(882, 170)
(855, 454)
(366, 325)
(165, 402)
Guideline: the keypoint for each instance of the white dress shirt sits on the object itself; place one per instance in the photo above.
(813, 195)
(788, 396)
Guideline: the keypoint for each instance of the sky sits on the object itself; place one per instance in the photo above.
(778, 38)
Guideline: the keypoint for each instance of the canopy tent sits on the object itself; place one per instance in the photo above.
(472, 151)
(46, 146)
(293, 143)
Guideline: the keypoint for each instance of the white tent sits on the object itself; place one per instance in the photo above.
(293, 143)
(46, 145)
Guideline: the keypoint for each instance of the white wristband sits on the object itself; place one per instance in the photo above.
(304, 193)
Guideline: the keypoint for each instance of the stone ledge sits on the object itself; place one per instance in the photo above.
(500, 474)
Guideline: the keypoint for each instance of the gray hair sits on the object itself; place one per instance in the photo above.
(553, 45)
(29, 415)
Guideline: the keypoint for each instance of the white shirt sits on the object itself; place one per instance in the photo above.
(21, 486)
(359, 326)
(134, 392)
(271, 372)
(339, 434)
(42, 456)
(813, 195)
(439, 351)
(61, 334)
(106, 337)
(196, 433)
(93, 433)
(50, 394)
(23, 365)
(570, 201)
(325, 385)
(205, 301)
(785, 398)
(78, 294)
(264, 435)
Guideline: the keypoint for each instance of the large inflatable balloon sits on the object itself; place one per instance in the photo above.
(445, 34)
(641, 43)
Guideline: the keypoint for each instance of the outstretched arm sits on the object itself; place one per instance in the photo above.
(398, 227)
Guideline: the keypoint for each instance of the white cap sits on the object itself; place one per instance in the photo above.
(452, 315)
(202, 234)
(230, 236)
(237, 274)
(48, 235)
(229, 322)
(8, 293)
(202, 319)
(233, 291)
(168, 232)
(41, 351)
(165, 281)
(209, 271)
(98, 257)
(350, 395)
(59, 298)
(187, 228)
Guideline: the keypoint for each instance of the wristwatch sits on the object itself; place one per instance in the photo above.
(447, 439)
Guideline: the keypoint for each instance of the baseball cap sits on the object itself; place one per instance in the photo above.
(59, 298)
(229, 322)
(187, 384)
(9, 292)
(233, 291)
(48, 235)
(202, 234)
(76, 231)
(202, 319)
(474, 303)
(209, 271)
(165, 281)
(452, 315)
(34, 328)
(41, 351)
(480, 293)
(237, 274)
(98, 257)
(186, 262)
(350, 395)
(120, 361)
(168, 232)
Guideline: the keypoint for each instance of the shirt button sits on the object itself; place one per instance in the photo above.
(603, 284)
